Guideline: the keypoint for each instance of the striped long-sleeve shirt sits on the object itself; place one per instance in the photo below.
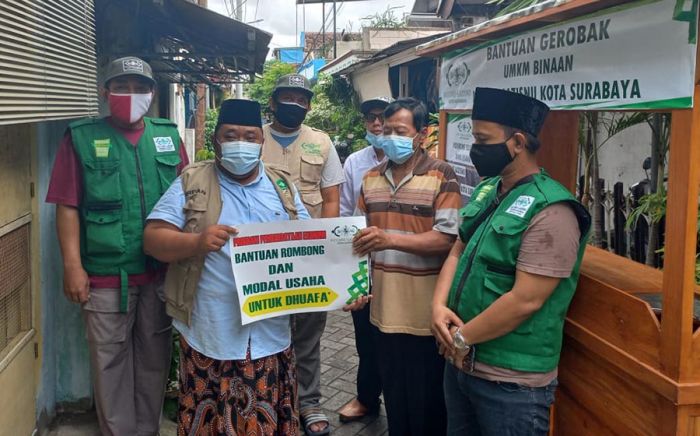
(403, 283)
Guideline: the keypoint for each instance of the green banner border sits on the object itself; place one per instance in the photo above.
(674, 103)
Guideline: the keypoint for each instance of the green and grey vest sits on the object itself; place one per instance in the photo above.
(121, 184)
(486, 270)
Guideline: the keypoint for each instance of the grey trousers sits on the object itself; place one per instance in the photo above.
(307, 329)
(130, 358)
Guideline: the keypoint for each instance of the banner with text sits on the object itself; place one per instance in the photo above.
(458, 144)
(306, 267)
(635, 56)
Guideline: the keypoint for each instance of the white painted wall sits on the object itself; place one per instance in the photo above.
(371, 82)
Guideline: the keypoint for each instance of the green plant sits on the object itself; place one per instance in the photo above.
(386, 19)
(434, 135)
(333, 110)
(172, 388)
(652, 206)
(209, 125)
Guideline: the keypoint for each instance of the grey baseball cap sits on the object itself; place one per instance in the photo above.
(129, 65)
(376, 102)
(293, 82)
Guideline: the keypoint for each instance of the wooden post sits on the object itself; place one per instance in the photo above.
(201, 115)
(442, 136)
(559, 147)
(679, 261)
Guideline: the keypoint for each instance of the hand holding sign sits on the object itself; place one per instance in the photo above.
(215, 237)
(371, 239)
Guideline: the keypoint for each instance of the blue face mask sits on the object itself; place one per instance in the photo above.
(373, 139)
(398, 149)
(240, 157)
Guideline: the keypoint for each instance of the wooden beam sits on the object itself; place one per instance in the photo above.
(558, 153)
(442, 136)
(679, 260)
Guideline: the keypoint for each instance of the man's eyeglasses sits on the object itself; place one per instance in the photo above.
(374, 117)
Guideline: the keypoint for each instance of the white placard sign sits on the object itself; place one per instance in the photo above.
(297, 266)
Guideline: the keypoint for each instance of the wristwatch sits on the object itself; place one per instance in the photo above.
(460, 343)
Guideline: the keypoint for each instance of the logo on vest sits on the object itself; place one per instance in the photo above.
(282, 184)
(193, 192)
(164, 143)
(313, 149)
(102, 147)
(521, 205)
(485, 191)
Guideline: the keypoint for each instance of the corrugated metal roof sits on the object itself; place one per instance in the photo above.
(47, 60)
(183, 41)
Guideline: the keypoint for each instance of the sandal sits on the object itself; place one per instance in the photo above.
(313, 416)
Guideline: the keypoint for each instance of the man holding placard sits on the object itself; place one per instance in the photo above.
(190, 228)
(411, 203)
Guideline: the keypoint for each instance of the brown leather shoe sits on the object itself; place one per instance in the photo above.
(353, 411)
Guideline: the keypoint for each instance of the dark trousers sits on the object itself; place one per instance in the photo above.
(478, 407)
(369, 384)
(411, 370)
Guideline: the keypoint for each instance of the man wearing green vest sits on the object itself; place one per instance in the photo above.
(108, 174)
(502, 295)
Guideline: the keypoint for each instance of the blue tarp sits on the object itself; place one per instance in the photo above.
(292, 55)
(310, 69)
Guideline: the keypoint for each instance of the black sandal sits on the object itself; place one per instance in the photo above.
(313, 416)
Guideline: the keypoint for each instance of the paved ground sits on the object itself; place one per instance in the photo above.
(338, 369)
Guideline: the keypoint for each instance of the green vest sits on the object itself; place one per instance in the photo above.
(121, 184)
(486, 270)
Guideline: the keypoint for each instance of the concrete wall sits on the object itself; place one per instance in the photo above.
(65, 372)
(371, 82)
(622, 156)
(346, 46)
(378, 39)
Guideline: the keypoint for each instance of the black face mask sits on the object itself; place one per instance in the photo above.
(290, 115)
(490, 159)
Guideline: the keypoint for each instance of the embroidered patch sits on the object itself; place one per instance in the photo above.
(483, 193)
(164, 143)
(296, 81)
(314, 149)
(135, 65)
(282, 185)
(521, 205)
(101, 147)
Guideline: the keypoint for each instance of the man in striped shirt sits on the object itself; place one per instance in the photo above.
(411, 202)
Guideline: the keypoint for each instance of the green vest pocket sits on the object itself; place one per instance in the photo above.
(103, 232)
(102, 182)
(166, 165)
(496, 283)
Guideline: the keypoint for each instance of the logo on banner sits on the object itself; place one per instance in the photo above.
(344, 234)
(464, 127)
(360, 282)
(457, 74)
